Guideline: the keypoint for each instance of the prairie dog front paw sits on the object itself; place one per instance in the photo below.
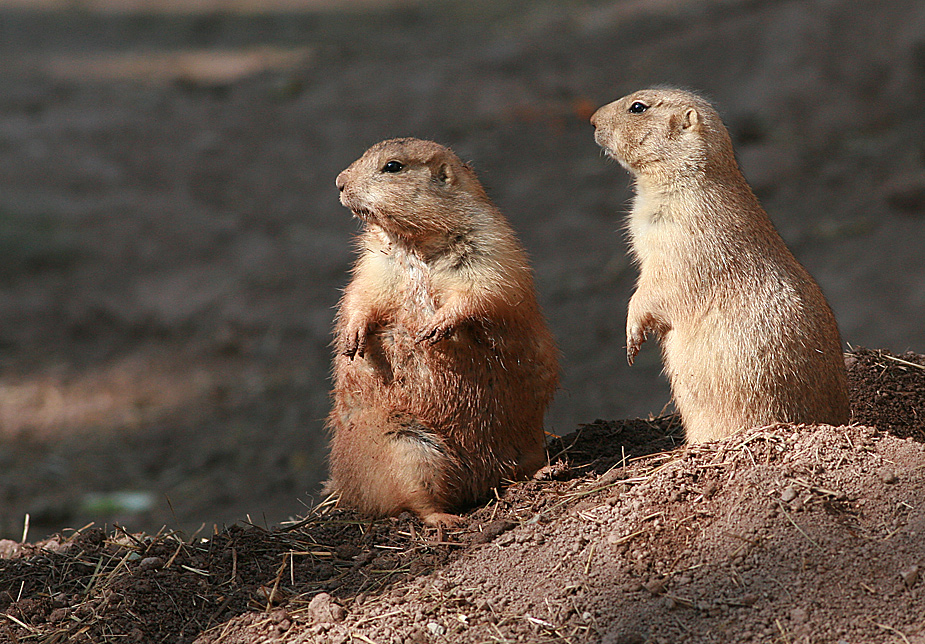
(639, 321)
(635, 336)
(441, 326)
(354, 338)
(435, 333)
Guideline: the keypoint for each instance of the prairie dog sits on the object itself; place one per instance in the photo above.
(747, 336)
(444, 364)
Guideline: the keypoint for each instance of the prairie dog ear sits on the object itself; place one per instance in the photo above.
(445, 173)
(691, 119)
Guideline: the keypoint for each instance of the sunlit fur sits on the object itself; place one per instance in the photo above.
(747, 336)
(444, 364)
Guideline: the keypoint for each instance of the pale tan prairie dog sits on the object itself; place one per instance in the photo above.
(747, 337)
(444, 364)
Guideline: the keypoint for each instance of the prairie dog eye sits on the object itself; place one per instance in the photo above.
(638, 108)
(393, 166)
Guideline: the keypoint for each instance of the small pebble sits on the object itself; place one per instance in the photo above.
(492, 530)
(657, 586)
(346, 551)
(749, 599)
(710, 489)
(888, 476)
(789, 494)
(436, 628)
(150, 563)
(323, 608)
(58, 615)
(417, 636)
(909, 576)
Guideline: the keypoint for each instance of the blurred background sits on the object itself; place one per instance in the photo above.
(172, 247)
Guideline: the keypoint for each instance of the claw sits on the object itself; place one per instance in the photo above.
(355, 344)
(634, 340)
(434, 335)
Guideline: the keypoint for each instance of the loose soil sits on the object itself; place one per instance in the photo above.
(779, 534)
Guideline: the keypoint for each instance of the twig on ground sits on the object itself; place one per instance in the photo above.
(803, 532)
(891, 629)
(901, 361)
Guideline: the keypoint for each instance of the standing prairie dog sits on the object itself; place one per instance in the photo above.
(444, 365)
(747, 336)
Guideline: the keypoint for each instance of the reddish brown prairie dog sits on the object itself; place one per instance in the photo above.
(444, 364)
(747, 336)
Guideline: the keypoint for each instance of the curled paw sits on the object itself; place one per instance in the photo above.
(434, 334)
(353, 341)
(635, 336)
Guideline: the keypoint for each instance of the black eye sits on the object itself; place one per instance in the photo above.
(393, 166)
(638, 108)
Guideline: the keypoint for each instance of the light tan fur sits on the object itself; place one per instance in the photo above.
(444, 364)
(747, 336)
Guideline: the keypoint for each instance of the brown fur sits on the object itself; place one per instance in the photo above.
(444, 365)
(747, 336)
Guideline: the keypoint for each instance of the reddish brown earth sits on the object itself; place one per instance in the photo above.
(780, 534)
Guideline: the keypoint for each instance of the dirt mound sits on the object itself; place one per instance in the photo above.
(783, 533)
(886, 392)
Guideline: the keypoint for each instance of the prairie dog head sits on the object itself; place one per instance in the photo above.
(411, 188)
(662, 133)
